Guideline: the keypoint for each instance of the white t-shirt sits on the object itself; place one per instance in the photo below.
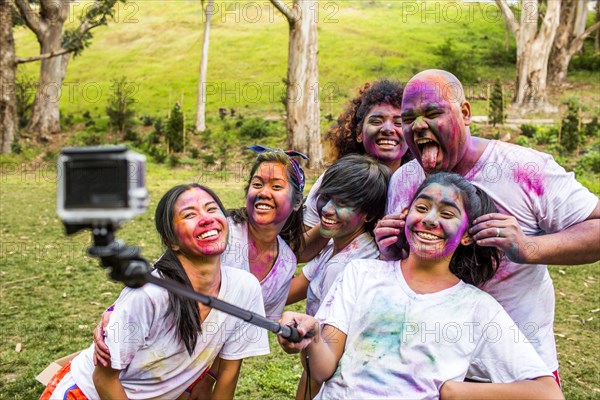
(311, 214)
(404, 345)
(323, 270)
(544, 198)
(276, 285)
(144, 343)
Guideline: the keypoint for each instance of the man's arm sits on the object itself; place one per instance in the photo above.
(313, 243)
(578, 244)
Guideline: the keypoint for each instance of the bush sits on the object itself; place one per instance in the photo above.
(590, 162)
(498, 56)
(523, 141)
(460, 64)
(588, 61)
(174, 131)
(528, 130)
(25, 88)
(592, 128)
(255, 128)
(496, 115)
(174, 160)
(120, 106)
(547, 135)
(147, 120)
(570, 135)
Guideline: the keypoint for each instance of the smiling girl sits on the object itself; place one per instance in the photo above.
(264, 234)
(161, 343)
(348, 215)
(370, 124)
(414, 328)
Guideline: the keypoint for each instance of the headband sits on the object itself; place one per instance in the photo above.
(289, 153)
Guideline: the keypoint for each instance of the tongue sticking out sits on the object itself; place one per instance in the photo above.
(429, 156)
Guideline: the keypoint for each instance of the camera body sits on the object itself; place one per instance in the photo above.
(100, 187)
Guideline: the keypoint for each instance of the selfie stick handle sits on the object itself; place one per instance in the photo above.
(287, 332)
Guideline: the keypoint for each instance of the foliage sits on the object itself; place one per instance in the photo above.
(120, 105)
(570, 134)
(528, 130)
(25, 88)
(586, 61)
(497, 115)
(547, 135)
(592, 128)
(459, 63)
(255, 128)
(523, 141)
(174, 129)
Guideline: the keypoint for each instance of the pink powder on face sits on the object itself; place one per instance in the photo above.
(531, 180)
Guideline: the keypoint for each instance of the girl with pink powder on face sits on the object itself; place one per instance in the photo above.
(413, 329)
(161, 343)
(371, 125)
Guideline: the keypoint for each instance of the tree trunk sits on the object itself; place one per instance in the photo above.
(597, 36)
(45, 115)
(201, 108)
(8, 66)
(534, 42)
(302, 105)
(569, 39)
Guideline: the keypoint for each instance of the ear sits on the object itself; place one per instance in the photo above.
(466, 240)
(465, 110)
(175, 247)
(298, 205)
(359, 137)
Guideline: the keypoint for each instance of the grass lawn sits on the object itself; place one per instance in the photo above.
(52, 293)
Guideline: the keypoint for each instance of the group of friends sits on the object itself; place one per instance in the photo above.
(426, 275)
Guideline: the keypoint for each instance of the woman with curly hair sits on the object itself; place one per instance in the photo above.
(370, 124)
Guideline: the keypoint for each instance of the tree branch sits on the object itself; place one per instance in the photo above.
(21, 60)
(284, 10)
(31, 18)
(511, 22)
(589, 31)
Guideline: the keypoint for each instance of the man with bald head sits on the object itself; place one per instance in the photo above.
(545, 215)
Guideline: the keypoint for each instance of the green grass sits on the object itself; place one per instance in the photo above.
(52, 293)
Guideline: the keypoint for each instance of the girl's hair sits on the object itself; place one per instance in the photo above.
(359, 181)
(349, 124)
(473, 264)
(184, 311)
(293, 230)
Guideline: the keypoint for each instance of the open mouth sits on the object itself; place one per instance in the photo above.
(387, 143)
(264, 207)
(429, 152)
(328, 221)
(427, 236)
(208, 234)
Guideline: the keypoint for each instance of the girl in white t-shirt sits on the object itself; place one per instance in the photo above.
(161, 343)
(415, 328)
(266, 232)
(351, 199)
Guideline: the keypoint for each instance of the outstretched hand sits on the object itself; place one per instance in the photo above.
(101, 351)
(503, 231)
(387, 233)
(308, 327)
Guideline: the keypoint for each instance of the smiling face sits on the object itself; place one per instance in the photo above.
(381, 135)
(435, 117)
(436, 223)
(270, 195)
(199, 224)
(339, 221)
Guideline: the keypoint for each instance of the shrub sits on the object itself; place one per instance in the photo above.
(570, 135)
(147, 120)
(523, 141)
(587, 61)
(547, 135)
(255, 128)
(174, 130)
(460, 64)
(592, 128)
(496, 115)
(590, 162)
(194, 153)
(528, 130)
(120, 105)
(174, 160)
(25, 88)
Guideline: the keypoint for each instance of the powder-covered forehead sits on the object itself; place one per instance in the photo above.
(434, 86)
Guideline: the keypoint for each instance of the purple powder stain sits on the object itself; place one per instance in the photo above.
(530, 179)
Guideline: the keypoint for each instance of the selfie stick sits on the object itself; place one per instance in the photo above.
(129, 267)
